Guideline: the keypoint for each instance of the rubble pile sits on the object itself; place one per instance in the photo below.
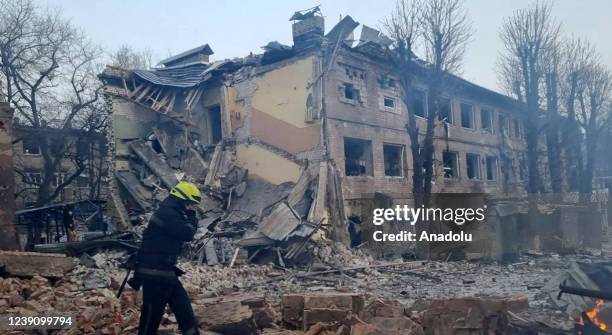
(362, 296)
(95, 309)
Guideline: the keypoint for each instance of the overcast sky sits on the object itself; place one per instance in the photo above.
(235, 28)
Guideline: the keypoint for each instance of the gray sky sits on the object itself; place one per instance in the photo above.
(235, 28)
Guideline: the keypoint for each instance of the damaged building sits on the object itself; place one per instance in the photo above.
(84, 151)
(327, 107)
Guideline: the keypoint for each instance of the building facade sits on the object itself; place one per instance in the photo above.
(326, 99)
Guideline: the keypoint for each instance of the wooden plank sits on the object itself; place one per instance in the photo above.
(214, 165)
(29, 264)
(318, 206)
(297, 193)
(136, 90)
(234, 257)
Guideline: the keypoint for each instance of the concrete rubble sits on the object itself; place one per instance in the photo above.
(346, 294)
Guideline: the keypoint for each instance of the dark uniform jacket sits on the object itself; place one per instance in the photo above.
(169, 227)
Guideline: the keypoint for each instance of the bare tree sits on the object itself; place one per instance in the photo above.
(594, 113)
(528, 35)
(444, 30)
(50, 72)
(128, 58)
(551, 64)
(578, 56)
(402, 27)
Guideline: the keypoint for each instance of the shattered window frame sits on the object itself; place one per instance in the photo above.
(349, 89)
(32, 178)
(491, 167)
(361, 165)
(399, 170)
(446, 104)
(467, 112)
(488, 126)
(58, 179)
(393, 106)
(418, 102)
(28, 144)
(472, 159)
(450, 171)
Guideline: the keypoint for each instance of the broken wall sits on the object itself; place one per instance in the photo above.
(273, 115)
(370, 109)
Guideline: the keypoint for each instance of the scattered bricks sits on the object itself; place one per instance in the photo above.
(304, 310)
(517, 303)
(339, 301)
(466, 315)
(226, 317)
(365, 329)
(30, 264)
(383, 308)
(315, 315)
(397, 325)
(262, 313)
(292, 306)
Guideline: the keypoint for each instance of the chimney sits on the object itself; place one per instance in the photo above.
(308, 28)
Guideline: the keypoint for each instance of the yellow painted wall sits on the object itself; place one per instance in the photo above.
(266, 164)
(282, 92)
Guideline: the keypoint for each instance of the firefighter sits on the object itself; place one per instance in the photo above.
(171, 225)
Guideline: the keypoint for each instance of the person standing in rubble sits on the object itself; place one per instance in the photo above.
(172, 224)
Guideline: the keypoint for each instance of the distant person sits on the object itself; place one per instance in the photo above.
(171, 225)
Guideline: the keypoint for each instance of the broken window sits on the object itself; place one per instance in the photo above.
(389, 103)
(504, 125)
(417, 103)
(486, 117)
(473, 168)
(450, 164)
(491, 168)
(516, 127)
(357, 157)
(58, 179)
(350, 93)
(394, 160)
(31, 147)
(446, 111)
(467, 116)
(32, 178)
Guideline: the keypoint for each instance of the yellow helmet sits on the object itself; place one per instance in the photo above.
(187, 191)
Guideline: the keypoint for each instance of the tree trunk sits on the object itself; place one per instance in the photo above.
(572, 139)
(555, 164)
(589, 168)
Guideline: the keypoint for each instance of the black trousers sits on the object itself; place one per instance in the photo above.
(155, 296)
